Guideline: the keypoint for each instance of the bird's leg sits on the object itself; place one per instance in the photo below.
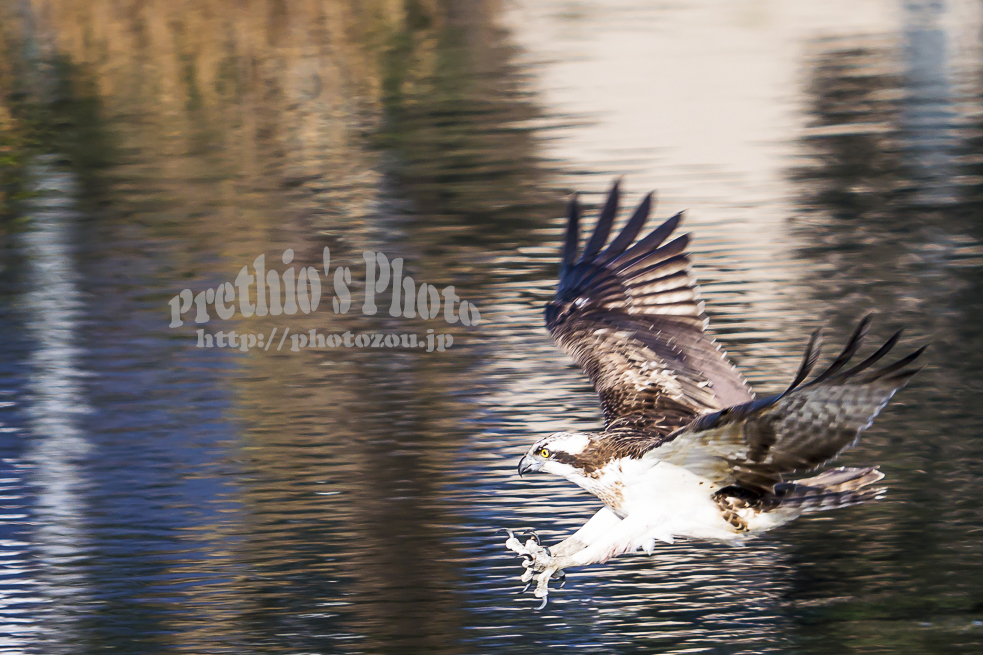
(549, 563)
(543, 582)
(553, 570)
(626, 537)
(533, 552)
(603, 521)
(538, 565)
(621, 537)
(538, 558)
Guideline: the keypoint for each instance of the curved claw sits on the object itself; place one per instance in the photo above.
(524, 589)
(546, 599)
(531, 533)
(510, 533)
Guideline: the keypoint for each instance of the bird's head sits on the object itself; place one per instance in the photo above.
(560, 454)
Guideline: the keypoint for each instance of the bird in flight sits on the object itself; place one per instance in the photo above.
(687, 449)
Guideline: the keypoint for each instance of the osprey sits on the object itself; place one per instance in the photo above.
(687, 449)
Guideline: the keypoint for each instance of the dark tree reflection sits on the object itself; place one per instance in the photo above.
(889, 222)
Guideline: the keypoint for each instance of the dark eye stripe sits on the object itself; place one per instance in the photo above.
(565, 458)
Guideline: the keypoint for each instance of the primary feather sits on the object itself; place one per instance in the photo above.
(631, 317)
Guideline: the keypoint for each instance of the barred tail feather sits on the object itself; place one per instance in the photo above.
(840, 487)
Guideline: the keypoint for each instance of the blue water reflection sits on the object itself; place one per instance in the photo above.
(159, 497)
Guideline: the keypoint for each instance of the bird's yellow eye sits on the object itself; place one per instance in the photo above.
(544, 452)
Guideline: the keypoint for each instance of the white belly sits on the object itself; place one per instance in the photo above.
(677, 502)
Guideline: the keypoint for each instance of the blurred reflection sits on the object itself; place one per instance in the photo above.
(884, 224)
(55, 401)
(346, 500)
(928, 115)
(260, 137)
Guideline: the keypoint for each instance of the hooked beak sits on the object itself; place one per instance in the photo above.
(529, 465)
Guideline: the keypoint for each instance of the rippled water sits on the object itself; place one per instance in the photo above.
(159, 497)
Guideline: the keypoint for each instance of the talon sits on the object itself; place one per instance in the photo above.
(524, 589)
(546, 599)
(510, 533)
(543, 586)
(531, 534)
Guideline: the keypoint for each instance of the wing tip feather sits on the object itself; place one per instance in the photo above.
(896, 370)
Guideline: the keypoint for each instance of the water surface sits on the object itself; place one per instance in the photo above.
(159, 497)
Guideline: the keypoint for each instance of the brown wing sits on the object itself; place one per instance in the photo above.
(755, 444)
(631, 317)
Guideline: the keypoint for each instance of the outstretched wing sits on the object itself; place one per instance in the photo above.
(631, 317)
(753, 445)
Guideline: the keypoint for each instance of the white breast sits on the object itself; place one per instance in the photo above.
(675, 501)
